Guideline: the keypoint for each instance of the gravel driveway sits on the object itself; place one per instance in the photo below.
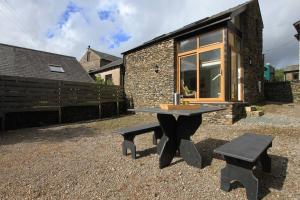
(84, 161)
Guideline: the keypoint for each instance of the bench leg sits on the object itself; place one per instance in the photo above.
(157, 135)
(265, 161)
(129, 144)
(242, 172)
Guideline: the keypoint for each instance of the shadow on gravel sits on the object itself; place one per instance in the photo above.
(273, 180)
(206, 149)
(146, 152)
(53, 134)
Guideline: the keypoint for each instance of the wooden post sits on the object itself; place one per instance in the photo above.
(59, 102)
(2, 122)
(118, 106)
(99, 101)
(59, 115)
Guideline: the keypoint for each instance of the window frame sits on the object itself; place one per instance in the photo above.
(52, 68)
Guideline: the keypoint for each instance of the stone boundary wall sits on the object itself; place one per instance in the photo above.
(287, 92)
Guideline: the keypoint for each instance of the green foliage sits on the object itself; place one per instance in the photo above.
(109, 82)
(279, 75)
(100, 80)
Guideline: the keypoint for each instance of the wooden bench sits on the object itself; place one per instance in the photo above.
(241, 155)
(130, 133)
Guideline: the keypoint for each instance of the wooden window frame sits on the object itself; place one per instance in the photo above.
(197, 51)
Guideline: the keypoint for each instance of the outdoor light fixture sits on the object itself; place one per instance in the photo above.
(156, 68)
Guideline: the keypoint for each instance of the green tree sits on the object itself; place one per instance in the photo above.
(279, 75)
(100, 80)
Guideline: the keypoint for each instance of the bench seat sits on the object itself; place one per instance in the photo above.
(129, 134)
(241, 155)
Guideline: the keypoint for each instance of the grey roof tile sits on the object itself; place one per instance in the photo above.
(105, 55)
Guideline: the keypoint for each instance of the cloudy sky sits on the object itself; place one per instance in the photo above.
(114, 26)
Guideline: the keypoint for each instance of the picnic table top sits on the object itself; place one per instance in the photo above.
(201, 110)
(248, 147)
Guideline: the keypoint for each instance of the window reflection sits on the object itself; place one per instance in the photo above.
(187, 45)
(188, 76)
(211, 38)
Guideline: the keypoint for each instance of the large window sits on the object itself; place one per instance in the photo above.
(200, 65)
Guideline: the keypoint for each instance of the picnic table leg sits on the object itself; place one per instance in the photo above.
(186, 127)
(168, 145)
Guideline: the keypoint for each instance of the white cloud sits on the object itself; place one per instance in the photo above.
(27, 24)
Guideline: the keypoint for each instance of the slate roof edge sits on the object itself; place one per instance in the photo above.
(226, 14)
(56, 54)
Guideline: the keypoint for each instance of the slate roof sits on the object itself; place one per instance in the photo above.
(105, 55)
(108, 66)
(291, 68)
(297, 25)
(23, 62)
(220, 17)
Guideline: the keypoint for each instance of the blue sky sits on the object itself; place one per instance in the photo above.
(114, 26)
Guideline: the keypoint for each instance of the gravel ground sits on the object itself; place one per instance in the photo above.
(84, 161)
(286, 115)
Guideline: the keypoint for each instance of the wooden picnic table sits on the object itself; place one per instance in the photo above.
(178, 126)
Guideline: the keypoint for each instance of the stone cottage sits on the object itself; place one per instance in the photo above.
(217, 61)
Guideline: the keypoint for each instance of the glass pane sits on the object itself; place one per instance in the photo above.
(210, 79)
(234, 75)
(188, 76)
(210, 74)
(187, 45)
(210, 55)
(210, 38)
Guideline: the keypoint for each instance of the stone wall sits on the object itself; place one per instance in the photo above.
(94, 62)
(232, 113)
(287, 92)
(143, 84)
(252, 29)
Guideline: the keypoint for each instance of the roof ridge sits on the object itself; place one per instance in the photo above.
(25, 48)
(96, 51)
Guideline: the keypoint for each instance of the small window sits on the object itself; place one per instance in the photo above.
(295, 76)
(211, 38)
(187, 45)
(56, 68)
(88, 56)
